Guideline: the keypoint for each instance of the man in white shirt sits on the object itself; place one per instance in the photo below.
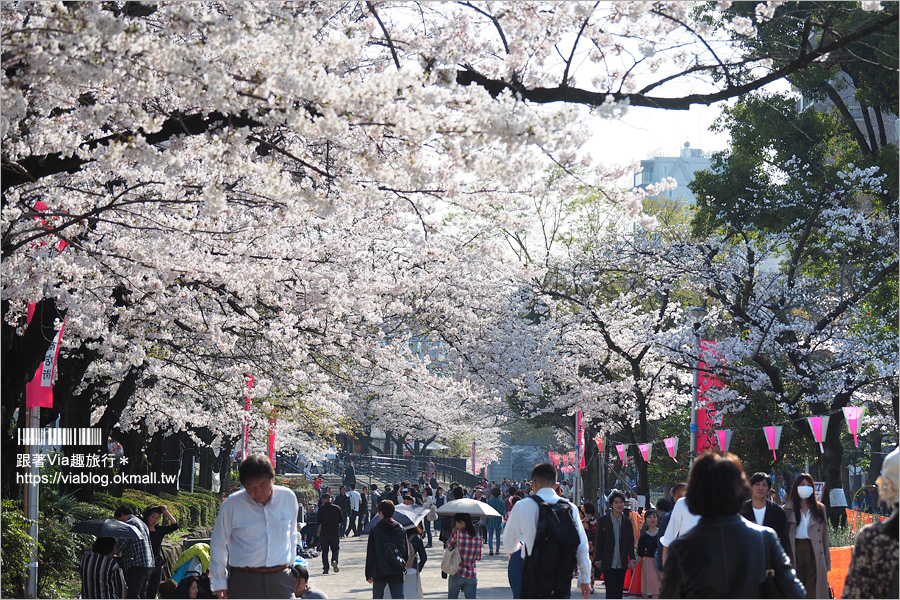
(355, 500)
(520, 529)
(681, 520)
(255, 538)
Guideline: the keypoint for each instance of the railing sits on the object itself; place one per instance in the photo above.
(393, 469)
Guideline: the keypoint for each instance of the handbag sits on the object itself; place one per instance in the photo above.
(451, 561)
(770, 587)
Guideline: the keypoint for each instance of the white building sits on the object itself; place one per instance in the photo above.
(678, 164)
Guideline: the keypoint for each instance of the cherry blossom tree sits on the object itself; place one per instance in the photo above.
(805, 270)
(263, 188)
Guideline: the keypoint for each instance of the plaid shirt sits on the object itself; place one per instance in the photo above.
(469, 551)
(137, 552)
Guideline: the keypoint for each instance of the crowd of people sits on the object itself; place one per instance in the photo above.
(720, 534)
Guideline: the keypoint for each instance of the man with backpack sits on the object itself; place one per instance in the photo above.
(546, 540)
(387, 553)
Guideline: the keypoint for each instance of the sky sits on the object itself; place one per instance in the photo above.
(643, 130)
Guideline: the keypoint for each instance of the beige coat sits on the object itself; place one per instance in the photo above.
(818, 535)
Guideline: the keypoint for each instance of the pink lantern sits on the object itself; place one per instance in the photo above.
(620, 448)
(773, 438)
(645, 451)
(671, 447)
(854, 416)
(819, 426)
(724, 438)
(599, 440)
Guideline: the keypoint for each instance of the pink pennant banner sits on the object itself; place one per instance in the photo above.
(620, 448)
(39, 391)
(854, 416)
(273, 422)
(246, 441)
(724, 438)
(579, 440)
(672, 447)
(819, 426)
(646, 450)
(773, 438)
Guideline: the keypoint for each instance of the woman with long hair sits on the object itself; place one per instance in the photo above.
(807, 542)
(469, 543)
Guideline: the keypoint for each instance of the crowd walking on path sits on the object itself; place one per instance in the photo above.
(718, 535)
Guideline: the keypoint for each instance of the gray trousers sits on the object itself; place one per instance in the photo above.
(242, 584)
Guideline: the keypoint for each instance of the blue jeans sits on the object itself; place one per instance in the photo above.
(490, 537)
(378, 589)
(455, 583)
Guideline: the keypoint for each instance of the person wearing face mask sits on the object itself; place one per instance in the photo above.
(807, 542)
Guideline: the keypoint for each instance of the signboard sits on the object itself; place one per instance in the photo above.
(820, 490)
(836, 497)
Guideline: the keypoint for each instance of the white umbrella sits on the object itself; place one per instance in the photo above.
(468, 506)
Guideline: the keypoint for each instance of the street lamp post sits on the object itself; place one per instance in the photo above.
(697, 314)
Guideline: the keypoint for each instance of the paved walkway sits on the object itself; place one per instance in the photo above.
(351, 581)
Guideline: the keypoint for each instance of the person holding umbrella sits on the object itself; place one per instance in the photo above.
(136, 553)
(101, 576)
(469, 543)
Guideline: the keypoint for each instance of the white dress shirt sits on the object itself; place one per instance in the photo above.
(680, 522)
(520, 529)
(802, 531)
(354, 500)
(250, 534)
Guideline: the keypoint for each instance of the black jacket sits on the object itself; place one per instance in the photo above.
(726, 557)
(343, 502)
(378, 564)
(774, 518)
(605, 541)
(331, 519)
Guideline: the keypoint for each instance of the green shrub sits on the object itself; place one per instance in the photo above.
(841, 536)
(58, 558)
(16, 547)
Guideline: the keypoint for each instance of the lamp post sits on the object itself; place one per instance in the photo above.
(697, 314)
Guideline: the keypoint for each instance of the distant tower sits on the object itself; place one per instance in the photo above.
(678, 164)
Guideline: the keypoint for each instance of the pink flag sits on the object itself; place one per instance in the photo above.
(819, 426)
(773, 438)
(645, 451)
(579, 440)
(572, 457)
(672, 447)
(724, 437)
(39, 391)
(620, 448)
(246, 443)
(273, 421)
(599, 440)
(473, 459)
(854, 416)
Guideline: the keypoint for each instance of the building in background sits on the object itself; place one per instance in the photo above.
(677, 164)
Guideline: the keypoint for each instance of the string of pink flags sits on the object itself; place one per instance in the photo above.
(853, 416)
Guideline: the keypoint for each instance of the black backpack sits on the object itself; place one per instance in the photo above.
(548, 568)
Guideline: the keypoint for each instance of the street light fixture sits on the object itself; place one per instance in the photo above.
(697, 314)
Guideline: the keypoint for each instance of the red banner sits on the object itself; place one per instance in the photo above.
(706, 409)
(39, 391)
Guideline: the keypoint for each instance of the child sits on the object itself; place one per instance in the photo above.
(650, 579)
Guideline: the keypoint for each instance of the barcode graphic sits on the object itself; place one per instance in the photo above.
(62, 436)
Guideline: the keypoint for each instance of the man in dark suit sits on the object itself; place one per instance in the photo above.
(762, 511)
(614, 545)
(331, 521)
